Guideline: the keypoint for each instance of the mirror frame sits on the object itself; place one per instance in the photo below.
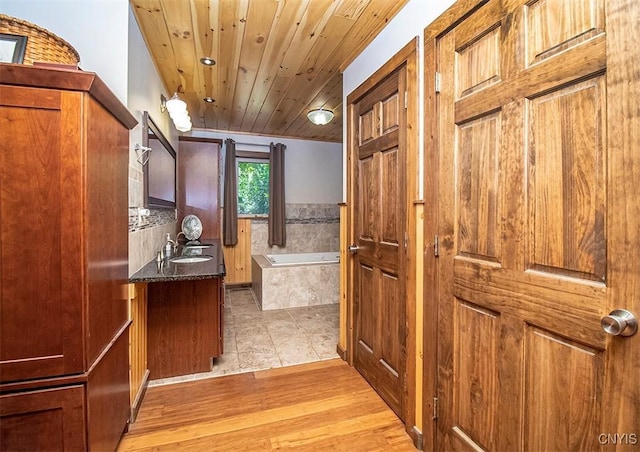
(149, 201)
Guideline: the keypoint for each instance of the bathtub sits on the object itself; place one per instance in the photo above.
(282, 281)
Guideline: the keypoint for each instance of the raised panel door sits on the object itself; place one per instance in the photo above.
(379, 303)
(538, 220)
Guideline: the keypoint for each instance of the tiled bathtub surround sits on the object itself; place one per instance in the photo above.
(287, 286)
(310, 228)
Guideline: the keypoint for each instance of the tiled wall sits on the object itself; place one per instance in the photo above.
(310, 228)
(147, 235)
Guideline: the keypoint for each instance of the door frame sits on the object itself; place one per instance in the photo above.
(407, 56)
(455, 14)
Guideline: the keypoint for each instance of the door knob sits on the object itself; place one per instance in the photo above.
(353, 249)
(619, 322)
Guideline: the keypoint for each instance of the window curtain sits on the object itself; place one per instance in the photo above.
(230, 212)
(277, 218)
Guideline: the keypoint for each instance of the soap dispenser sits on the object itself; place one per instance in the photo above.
(169, 247)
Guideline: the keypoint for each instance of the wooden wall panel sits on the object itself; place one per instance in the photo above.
(139, 370)
(478, 190)
(237, 258)
(559, 375)
(567, 181)
(344, 282)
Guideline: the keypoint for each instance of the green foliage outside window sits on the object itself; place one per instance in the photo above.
(253, 188)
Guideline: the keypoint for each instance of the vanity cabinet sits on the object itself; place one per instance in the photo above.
(184, 313)
(64, 378)
(185, 326)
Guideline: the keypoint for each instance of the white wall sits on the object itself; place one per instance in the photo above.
(97, 29)
(405, 26)
(313, 169)
(143, 92)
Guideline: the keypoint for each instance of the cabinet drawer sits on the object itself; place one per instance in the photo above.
(49, 419)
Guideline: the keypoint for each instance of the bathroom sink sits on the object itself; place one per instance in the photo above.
(190, 259)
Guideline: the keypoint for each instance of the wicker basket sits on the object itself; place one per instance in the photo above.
(42, 45)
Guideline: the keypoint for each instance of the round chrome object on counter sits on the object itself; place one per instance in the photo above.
(192, 227)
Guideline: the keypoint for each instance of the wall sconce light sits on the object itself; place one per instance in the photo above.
(177, 109)
(320, 116)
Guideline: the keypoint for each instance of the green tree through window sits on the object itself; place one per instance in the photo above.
(253, 188)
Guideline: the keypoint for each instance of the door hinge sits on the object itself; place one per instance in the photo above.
(406, 99)
(436, 246)
(435, 408)
(406, 240)
(437, 82)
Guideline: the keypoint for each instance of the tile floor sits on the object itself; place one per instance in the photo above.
(256, 340)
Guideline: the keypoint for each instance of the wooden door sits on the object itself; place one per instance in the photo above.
(379, 231)
(539, 225)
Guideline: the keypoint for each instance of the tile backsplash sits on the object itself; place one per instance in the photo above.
(147, 235)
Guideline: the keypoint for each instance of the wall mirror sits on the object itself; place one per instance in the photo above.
(160, 170)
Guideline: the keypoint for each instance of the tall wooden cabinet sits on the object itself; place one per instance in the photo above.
(64, 381)
(199, 182)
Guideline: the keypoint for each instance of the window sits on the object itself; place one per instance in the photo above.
(253, 186)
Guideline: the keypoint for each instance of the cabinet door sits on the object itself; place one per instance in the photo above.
(51, 420)
(40, 252)
(198, 183)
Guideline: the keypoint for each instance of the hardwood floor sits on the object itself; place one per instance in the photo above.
(319, 406)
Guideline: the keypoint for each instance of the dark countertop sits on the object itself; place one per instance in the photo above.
(172, 271)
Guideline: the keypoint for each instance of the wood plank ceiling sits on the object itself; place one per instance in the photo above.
(275, 59)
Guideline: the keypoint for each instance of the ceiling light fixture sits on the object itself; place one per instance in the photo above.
(209, 100)
(177, 109)
(320, 116)
(207, 61)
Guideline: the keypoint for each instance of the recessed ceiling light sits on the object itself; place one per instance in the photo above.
(207, 61)
(209, 100)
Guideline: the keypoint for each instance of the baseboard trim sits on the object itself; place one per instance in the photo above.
(416, 436)
(137, 402)
(237, 285)
(341, 352)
